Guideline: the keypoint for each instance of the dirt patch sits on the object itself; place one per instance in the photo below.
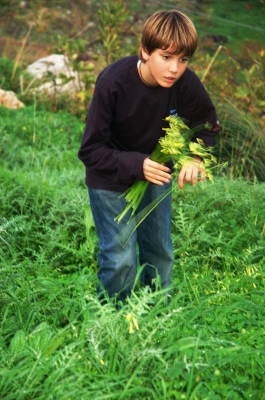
(9, 48)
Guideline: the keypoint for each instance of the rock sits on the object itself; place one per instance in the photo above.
(55, 64)
(8, 99)
(50, 88)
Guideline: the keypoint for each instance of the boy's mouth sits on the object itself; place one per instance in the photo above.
(169, 79)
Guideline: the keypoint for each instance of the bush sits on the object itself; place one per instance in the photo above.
(11, 80)
(241, 143)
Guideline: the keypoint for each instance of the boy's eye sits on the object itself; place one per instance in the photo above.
(165, 57)
(184, 59)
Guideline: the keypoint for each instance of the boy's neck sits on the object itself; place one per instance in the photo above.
(141, 74)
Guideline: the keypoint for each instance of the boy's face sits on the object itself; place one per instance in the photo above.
(162, 67)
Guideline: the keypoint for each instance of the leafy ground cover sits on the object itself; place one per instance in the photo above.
(57, 342)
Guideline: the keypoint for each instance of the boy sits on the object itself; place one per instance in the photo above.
(125, 119)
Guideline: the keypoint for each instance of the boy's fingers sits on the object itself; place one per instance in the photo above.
(152, 165)
(181, 179)
(203, 176)
(157, 177)
(155, 172)
(189, 174)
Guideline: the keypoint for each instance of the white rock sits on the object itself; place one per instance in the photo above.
(55, 64)
(8, 99)
(50, 88)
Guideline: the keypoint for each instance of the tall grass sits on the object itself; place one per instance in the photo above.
(61, 343)
(58, 342)
(241, 143)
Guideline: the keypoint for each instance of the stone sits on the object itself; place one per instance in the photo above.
(55, 64)
(8, 99)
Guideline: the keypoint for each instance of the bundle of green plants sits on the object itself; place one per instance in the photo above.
(175, 145)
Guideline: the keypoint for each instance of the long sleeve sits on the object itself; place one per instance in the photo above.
(99, 150)
(197, 108)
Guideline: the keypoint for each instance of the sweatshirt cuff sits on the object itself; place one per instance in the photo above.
(139, 167)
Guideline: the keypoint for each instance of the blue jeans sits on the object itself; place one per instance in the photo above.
(118, 265)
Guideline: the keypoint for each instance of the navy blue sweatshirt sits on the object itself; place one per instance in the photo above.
(125, 120)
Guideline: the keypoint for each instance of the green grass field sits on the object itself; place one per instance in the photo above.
(239, 22)
(57, 342)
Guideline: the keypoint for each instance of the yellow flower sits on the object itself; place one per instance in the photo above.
(132, 323)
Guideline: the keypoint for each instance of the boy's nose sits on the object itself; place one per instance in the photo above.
(174, 67)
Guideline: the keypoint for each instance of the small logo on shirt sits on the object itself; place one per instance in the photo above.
(173, 112)
(216, 128)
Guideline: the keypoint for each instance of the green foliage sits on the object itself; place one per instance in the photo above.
(90, 229)
(42, 139)
(238, 95)
(58, 341)
(72, 48)
(7, 80)
(240, 143)
(18, 342)
(237, 24)
(38, 165)
(208, 342)
(115, 23)
(70, 33)
(250, 91)
(242, 81)
(220, 225)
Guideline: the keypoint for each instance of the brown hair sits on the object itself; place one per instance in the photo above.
(170, 30)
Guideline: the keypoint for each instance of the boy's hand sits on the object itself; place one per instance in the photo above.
(189, 173)
(155, 172)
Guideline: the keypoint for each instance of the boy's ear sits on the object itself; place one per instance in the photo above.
(145, 54)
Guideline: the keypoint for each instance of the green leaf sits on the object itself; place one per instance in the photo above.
(18, 342)
(176, 370)
(40, 337)
(90, 226)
